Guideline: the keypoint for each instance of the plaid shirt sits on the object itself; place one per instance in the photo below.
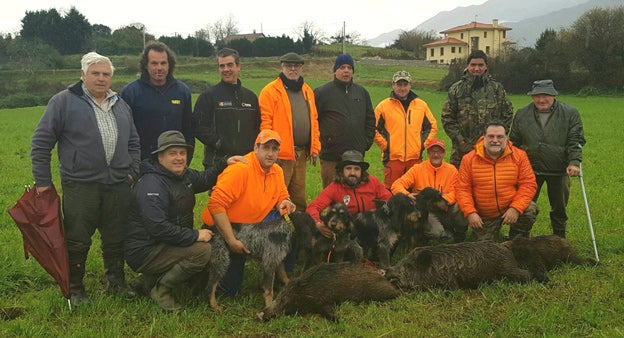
(107, 124)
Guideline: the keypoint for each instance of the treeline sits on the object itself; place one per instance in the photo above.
(585, 59)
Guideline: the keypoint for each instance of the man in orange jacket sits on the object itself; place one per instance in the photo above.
(496, 186)
(247, 193)
(287, 106)
(442, 176)
(404, 123)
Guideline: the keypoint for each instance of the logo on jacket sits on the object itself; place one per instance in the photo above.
(225, 104)
(346, 199)
(246, 105)
(174, 101)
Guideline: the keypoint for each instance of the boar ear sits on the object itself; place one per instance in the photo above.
(424, 260)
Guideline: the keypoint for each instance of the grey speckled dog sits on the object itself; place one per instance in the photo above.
(269, 242)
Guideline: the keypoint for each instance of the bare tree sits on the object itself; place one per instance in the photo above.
(351, 38)
(224, 27)
(307, 30)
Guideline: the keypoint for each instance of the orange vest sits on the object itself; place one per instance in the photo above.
(422, 175)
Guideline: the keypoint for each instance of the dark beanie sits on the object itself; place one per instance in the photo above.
(344, 59)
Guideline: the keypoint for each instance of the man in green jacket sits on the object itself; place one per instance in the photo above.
(551, 133)
(472, 102)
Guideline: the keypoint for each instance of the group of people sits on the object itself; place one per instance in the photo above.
(124, 160)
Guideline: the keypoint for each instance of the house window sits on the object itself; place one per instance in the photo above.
(504, 34)
(459, 50)
(487, 50)
(432, 52)
(484, 34)
(461, 36)
(441, 51)
(453, 50)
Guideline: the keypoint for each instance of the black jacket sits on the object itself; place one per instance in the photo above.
(161, 209)
(346, 119)
(227, 121)
(554, 146)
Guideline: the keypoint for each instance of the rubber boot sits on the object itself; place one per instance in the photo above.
(116, 276)
(560, 231)
(78, 295)
(143, 284)
(161, 292)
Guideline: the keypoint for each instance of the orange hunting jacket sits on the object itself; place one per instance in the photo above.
(489, 187)
(401, 134)
(245, 192)
(276, 114)
(422, 175)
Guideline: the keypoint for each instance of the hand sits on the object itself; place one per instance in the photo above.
(42, 189)
(313, 159)
(412, 196)
(324, 230)
(573, 170)
(287, 207)
(238, 247)
(510, 216)
(237, 158)
(204, 235)
(475, 221)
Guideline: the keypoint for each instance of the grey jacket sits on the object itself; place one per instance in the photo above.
(69, 121)
(556, 145)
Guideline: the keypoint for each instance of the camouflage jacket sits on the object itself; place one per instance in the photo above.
(467, 111)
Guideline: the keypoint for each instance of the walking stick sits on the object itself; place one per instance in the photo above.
(591, 227)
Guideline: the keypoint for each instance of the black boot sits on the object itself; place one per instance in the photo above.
(116, 276)
(78, 295)
(560, 231)
(143, 284)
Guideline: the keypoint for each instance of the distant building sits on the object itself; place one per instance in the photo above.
(251, 37)
(459, 41)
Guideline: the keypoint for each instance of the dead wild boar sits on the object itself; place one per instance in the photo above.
(455, 266)
(323, 286)
(541, 254)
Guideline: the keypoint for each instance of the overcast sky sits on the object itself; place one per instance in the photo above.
(272, 17)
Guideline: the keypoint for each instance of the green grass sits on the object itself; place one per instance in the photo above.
(578, 301)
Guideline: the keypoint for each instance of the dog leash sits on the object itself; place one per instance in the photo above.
(331, 250)
(290, 223)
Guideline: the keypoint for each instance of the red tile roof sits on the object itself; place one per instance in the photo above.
(447, 41)
(474, 25)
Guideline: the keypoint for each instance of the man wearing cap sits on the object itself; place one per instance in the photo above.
(287, 106)
(227, 116)
(345, 116)
(353, 186)
(496, 186)
(247, 193)
(551, 133)
(99, 152)
(442, 176)
(404, 124)
(160, 240)
(472, 102)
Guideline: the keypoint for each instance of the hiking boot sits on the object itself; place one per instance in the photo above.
(162, 292)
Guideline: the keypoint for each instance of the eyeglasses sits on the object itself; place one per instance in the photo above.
(292, 65)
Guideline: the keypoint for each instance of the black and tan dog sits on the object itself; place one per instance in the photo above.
(341, 246)
(429, 201)
(269, 242)
(379, 231)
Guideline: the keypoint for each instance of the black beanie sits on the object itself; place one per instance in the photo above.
(344, 59)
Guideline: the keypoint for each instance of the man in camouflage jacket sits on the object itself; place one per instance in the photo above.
(471, 103)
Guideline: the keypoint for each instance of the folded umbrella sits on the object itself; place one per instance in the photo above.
(38, 217)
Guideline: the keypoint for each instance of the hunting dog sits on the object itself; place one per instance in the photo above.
(379, 231)
(269, 242)
(341, 246)
(438, 218)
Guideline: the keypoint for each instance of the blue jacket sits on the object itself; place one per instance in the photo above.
(158, 109)
(69, 123)
(161, 210)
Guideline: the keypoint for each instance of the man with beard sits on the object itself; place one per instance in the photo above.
(352, 186)
(471, 103)
(496, 186)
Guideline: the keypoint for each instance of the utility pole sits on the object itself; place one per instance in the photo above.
(343, 37)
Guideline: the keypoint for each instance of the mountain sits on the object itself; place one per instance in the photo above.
(527, 18)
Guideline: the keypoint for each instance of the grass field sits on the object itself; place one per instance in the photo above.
(578, 301)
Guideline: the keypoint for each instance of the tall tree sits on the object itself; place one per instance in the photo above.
(223, 28)
(69, 34)
(414, 41)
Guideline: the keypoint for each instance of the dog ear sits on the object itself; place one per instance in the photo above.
(379, 203)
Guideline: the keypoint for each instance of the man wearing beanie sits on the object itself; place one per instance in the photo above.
(345, 115)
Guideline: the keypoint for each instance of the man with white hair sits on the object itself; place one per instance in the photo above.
(99, 153)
